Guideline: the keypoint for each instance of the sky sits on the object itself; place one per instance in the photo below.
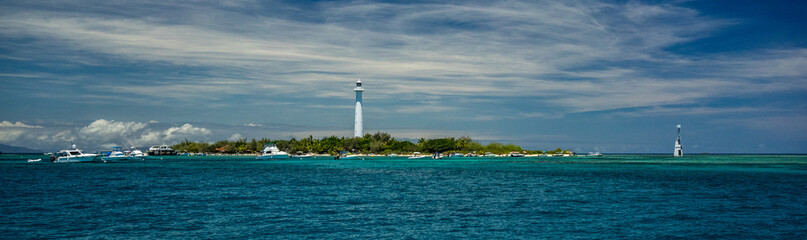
(606, 76)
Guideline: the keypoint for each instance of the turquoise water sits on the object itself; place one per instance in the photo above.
(625, 196)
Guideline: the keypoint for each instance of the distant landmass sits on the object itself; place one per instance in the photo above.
(13, 149)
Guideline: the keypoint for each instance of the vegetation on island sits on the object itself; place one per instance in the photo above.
(378, 143)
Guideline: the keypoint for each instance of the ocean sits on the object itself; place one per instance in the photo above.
(614, 196)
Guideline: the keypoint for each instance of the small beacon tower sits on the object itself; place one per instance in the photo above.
(358, 126)
(679, 152)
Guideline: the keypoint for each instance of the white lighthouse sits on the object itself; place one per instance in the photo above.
(679, 152)
(358, 126)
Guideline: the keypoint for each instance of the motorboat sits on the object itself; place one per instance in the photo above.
(437, 155)
(300, 154)
(161, 150)
(516, 154)
(416, 155)
(270, 151)
(72, 156)
(349, 156)
(118, 154)
(594, 154)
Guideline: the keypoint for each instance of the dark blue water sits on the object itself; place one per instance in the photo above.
(239, 197)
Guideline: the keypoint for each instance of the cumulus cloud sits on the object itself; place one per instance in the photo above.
(235, 137)
(173, 134)
(106, 130)
(10, 135)
(185, 130)
(63, 136)
(101, 134)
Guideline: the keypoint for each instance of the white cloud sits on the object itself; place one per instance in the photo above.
(524, 57)
(150, 138)
(10, 135)
(106, 130)
(102, 133)
(235, 137)
(426, 108)
(17, 125)
(186, 130)
(172, 135)
(680, 111)
(63, 137)
(509, 50)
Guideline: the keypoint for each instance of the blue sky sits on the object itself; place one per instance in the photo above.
(608, 76)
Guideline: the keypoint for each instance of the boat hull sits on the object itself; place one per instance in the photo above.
(75, 159)
(122, 159)
(274, 156)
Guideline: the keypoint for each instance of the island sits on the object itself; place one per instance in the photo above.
(379, 143)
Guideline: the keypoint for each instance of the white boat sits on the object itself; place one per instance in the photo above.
(437, 155)
(594, 154)
(301, 155)
(270, 151)
(72, 155)
(417, 156)
(118, 154)
(35, 160)
(161, 150)
(516, 154)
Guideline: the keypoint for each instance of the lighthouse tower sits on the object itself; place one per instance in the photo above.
(679, 152)
(358, 126)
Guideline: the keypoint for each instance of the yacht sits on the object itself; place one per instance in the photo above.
(118, 154)
(161, 150)
(270, 151)
(72, 155)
